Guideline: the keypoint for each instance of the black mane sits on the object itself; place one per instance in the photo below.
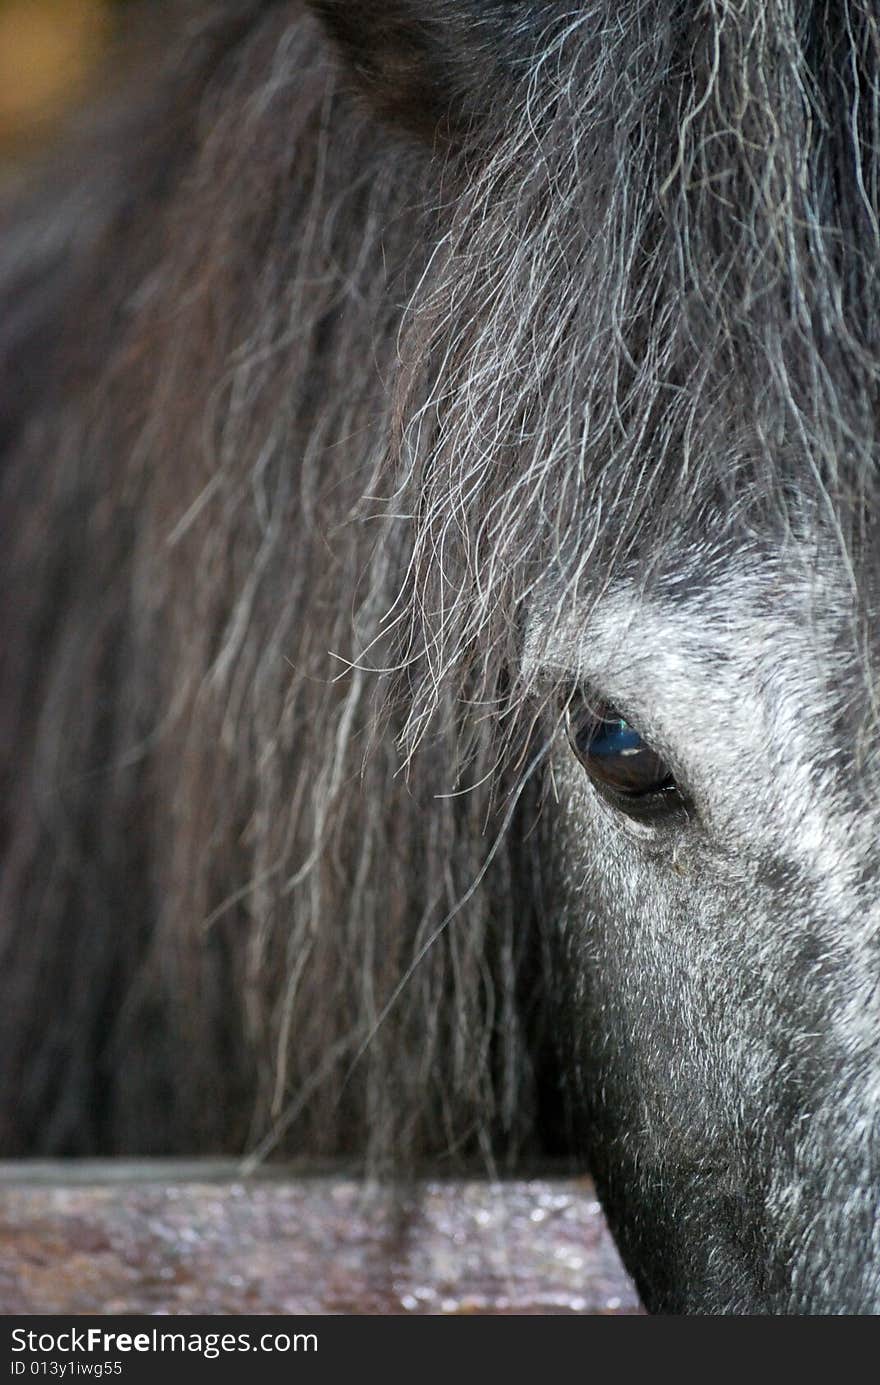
(290, 394)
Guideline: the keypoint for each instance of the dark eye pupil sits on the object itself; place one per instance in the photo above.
(614, 754)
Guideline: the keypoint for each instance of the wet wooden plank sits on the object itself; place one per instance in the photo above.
(178, 1239)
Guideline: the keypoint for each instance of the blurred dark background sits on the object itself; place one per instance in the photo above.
(49, 52)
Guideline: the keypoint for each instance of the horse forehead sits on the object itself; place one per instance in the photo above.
(780, 616)
(759, 659)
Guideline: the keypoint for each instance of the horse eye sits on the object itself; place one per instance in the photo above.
(619, 762)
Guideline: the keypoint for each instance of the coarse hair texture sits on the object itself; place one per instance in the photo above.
(302, 412)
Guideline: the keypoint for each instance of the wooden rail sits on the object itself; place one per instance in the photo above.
(177, 1238)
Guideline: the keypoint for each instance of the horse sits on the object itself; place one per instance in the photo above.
(439, 589)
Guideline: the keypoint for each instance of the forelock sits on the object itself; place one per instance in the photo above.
(654, 314)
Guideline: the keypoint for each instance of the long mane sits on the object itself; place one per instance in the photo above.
(299, 415)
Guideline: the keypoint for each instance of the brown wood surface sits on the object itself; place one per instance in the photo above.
(200, 1238)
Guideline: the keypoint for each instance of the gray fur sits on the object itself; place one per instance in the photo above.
(347, 458)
